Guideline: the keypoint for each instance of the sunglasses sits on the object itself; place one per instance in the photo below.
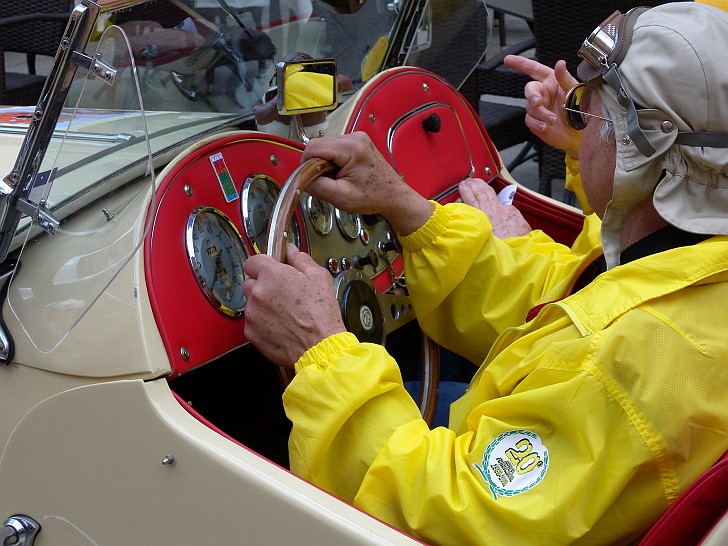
(574, 116)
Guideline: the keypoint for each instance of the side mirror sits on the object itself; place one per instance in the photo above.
(307, 86)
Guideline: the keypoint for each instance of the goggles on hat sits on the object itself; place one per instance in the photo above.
(602, 52)
(608, 44)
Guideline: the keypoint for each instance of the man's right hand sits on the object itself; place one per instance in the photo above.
(545, 102)
(366, 183)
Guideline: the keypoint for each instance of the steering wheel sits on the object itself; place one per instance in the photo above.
(361, 305)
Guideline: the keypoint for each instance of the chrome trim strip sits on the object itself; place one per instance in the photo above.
(9, 129)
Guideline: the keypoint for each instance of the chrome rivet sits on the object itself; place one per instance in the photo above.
(372, 118)
(274, 159)
(626, 140)
(184, 353)
(667, 126)
(169, 459)
(188, 190)
(488, 171)
(425, 87)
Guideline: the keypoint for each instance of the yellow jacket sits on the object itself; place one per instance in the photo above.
(582, 425)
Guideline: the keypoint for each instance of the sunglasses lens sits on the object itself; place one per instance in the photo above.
(572, 108)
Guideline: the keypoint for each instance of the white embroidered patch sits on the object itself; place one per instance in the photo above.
(513, 463)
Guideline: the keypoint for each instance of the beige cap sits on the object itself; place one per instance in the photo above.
(667, 95)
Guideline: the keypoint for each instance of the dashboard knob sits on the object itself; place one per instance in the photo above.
(432, 124)
(390, 246)
(370, 258)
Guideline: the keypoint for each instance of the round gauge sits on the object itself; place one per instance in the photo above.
(321, 215)
(259, 196)
(349, 223)
(217, 254)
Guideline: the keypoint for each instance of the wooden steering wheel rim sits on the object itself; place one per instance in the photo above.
(277, 239)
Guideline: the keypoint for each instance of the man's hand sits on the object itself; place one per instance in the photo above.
(507, 220)
(290, 307)
(366, 183)
(545, 102)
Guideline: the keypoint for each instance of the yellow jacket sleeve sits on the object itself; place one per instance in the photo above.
(554, 461)
(468, 286)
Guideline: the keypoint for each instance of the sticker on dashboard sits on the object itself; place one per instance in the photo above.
(223, 177)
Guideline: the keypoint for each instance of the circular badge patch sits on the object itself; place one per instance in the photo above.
(513, 463)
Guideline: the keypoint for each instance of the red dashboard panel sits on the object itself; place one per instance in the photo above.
(213, 175)
(193, 331)
(432, 158)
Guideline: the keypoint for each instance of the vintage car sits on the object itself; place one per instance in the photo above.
(165, 150)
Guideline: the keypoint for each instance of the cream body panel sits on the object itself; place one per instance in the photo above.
(87, 465)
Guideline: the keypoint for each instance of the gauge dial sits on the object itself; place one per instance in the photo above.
(321, 215)
(349, 224)
(217, 254)
(259, 196)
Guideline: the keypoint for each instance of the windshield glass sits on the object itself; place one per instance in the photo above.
(84, 180)
(151, 78)
(219, 56)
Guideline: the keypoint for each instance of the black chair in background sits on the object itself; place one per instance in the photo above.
(33, 27)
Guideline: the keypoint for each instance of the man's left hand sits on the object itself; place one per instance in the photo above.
(290, 307)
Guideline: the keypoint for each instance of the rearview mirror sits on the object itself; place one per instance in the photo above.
(307, 86)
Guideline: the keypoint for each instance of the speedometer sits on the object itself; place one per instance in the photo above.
(216, 253)
(321, 215)
(349, 224)
(259, 196)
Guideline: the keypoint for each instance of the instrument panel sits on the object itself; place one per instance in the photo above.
(212, 211)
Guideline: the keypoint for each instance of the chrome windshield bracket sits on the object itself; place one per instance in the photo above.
(96, 66)
(39, 215)
(16, 186)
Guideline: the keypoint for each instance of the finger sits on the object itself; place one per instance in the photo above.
(541, 112)
(467, 196)
(529, 67)
(564, 77)
(248, 288)
(319, 147)
(324, 187)
(534, 92)
(254, 265)
(304, 263)
(297, 259)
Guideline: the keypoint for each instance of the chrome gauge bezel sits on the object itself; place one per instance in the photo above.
(270, 189)
(320, 214)
(349, 224)
(235, 253)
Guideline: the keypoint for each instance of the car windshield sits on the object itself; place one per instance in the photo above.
(137, 82)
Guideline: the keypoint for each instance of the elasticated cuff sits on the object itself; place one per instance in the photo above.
(322, 353)
(433, 228)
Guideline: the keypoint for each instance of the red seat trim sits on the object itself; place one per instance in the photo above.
(695, 512)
